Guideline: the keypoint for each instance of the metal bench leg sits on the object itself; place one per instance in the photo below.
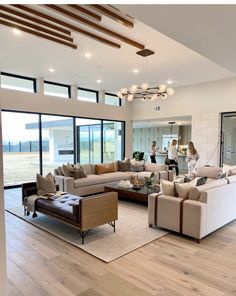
(83, 234)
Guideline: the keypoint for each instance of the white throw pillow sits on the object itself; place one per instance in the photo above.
(45, 184)
(167, 187)
(183, 189)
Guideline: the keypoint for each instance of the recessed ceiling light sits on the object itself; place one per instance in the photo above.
(99, 80)
(88, 55)
(51, 70)
(17, 31)
(169, 82)
(135, 71)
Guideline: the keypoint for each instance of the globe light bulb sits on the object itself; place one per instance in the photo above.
(144, 99)
(124, 90)
(133, 88)
(170, 91)
(154, 97)
(130, 98)
(162, 87)
(144, 86)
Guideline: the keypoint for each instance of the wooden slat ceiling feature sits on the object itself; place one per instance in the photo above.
(35, 27)
(85, 11)
(33, 19)
(95, 26)
(67, 25)
(38, 34)
(113, 15)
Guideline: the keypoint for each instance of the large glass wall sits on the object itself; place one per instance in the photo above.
(89, 140)
(57, 140)
(39, 143)
(112, 141)
(20, 147)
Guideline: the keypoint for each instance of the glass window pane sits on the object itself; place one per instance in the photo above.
(112, 141)
(17, 83)
(86, 95)
(56, 90)
(112, 100)
(58, 141)
(89, 140)
(20, 147)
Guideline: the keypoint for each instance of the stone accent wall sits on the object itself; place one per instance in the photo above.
(206, 137)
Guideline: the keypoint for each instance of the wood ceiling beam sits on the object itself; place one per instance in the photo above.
(32, 26)
(62, 23)
(38, 34)
(85, 11)
(94, 25)
(116, 17)
(33, 19)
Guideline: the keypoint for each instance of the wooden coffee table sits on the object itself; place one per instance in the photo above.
(131, 194)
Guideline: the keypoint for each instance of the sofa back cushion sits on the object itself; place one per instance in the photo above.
(88, 169)
(195, 192)
(104, 168)
(154, 167)
(210, 172)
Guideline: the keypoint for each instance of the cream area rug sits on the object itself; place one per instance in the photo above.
(132, 231)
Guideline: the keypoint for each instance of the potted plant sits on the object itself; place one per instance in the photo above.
(148, 181)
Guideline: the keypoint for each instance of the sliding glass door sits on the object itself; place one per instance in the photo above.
(20, 147)
(39, 143)
(113, 133)
(88, 140)
(57, 141)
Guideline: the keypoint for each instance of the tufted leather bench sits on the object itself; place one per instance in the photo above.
(82, 213)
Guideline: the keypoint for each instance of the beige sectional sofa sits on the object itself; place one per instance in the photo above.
(207, 208)
(94, 183)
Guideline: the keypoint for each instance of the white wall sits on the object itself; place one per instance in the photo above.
(204, 102)
(3, 276)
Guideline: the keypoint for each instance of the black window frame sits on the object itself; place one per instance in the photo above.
(60, 84)
(113, 95)
(89, 90)
(22, 77)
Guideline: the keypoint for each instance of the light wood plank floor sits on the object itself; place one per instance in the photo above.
(40, 264)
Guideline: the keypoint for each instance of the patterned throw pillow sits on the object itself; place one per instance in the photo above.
(45, 184)
(78, 172)
(67, 169)
(123, 166)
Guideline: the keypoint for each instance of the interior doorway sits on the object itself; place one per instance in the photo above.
(228, 138)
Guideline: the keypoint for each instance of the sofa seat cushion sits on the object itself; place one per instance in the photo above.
(62, 207)
(101, 179)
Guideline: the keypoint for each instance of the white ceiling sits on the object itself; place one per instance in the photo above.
(206, 29)
(32, 56)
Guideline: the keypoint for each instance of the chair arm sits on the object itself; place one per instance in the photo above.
(170, 175)
(169, 212)
(97, 210)
(152, 210)
(69, 184)
(59, 180)
(195, 219)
